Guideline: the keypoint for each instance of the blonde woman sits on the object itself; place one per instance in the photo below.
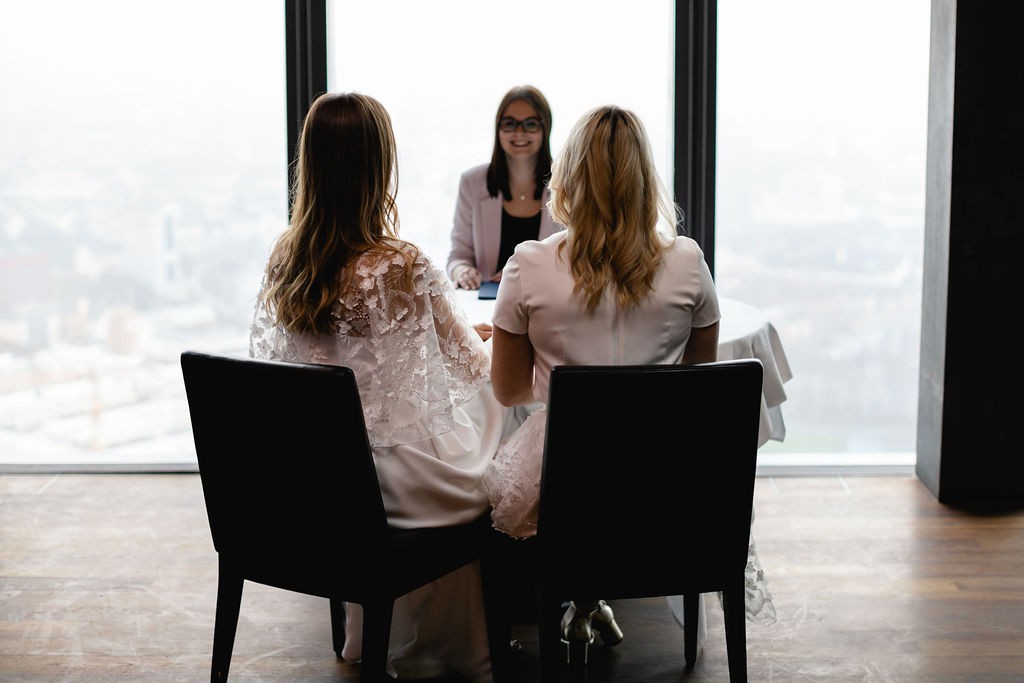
(342, 288)
(617, 287)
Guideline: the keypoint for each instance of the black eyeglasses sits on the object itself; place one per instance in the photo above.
(529, 125)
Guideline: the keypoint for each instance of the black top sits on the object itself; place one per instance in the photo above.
(515, 230)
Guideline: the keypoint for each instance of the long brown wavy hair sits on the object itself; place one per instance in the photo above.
(607, 194)
(343, 204)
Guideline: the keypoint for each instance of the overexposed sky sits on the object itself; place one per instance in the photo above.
(441, 68)
(140, 64)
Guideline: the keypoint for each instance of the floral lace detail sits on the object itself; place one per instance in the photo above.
(512, 478)
(414, 354)
(757, 599)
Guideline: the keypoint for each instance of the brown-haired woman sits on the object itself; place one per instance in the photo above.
(503, 202)
(342, 288)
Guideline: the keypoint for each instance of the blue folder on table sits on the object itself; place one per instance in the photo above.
(488, 290)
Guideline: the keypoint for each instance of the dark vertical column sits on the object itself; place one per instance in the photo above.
(694, 154)
(305, 65)
(971, 397)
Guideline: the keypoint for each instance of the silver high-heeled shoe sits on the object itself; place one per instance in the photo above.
(602, 619)
(577, 635)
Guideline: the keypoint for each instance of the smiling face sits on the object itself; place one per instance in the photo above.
(519, 143)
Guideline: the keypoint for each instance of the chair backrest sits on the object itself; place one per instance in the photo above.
(648, 478)
(286, 468)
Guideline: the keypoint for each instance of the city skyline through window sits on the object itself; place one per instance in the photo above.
(143, 185)
(820, 179)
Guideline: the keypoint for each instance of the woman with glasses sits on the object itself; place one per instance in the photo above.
(504, 202)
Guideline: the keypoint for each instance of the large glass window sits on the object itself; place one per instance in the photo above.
(441, 68)
(821, 137)
(822, 133)
(142, 180)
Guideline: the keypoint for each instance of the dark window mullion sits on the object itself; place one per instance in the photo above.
(305, 65)
(694, 126)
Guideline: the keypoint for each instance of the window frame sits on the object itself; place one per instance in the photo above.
(693, 117)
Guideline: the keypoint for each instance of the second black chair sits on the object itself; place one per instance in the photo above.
(646, 490)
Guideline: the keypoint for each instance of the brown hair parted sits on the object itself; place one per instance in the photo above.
(343, 204)
(497, 172)
(606, 191)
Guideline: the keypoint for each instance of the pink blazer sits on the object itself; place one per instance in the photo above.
(476, 231)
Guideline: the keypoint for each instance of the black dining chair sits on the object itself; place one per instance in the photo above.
(293, 500)
(667, 454)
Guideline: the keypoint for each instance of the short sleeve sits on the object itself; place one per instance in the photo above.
(510, 312)
(706, 311)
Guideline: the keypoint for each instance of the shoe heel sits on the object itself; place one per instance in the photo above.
(603, 621)
(576, 652)
(577, 635)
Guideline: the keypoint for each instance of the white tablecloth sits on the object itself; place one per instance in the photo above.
(744, 332)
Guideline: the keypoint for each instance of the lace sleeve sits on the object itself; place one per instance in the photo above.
(414, 353)
(466, 358)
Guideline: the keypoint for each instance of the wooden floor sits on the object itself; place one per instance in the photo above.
(112, 577)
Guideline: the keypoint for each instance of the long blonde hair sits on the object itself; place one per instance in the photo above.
(343, 204)
(605, 190)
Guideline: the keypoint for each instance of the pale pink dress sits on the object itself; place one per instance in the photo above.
(535, 298)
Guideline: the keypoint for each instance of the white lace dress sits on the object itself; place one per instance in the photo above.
(433, 424)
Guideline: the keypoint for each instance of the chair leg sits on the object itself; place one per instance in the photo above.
(338, 625)
(549, 638)
(735, 631)
(495, 581)
(691, 626)
(229, 601)
(376, 638)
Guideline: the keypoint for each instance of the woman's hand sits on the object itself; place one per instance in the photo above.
(468, 278)
(484, 330)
